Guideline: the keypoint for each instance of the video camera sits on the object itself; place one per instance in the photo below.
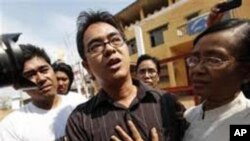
(11, 63)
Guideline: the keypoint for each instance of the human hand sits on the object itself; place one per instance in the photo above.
(215, 15)
(135, 134)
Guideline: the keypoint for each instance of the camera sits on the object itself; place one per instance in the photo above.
(11, 63)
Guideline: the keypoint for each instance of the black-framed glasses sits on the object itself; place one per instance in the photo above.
(98, 47)
(211, 62)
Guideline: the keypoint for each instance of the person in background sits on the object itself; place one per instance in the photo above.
(148, 70)
(102, 46)
(218, 65)
(64, 75)
(65, 78)
(47, 112)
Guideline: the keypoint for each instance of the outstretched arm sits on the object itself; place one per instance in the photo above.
(215, 15)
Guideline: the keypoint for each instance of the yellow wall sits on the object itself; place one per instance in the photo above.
(175, 45)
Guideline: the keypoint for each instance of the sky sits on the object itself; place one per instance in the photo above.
(50, 24)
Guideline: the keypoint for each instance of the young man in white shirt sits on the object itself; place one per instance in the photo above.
(44, 118)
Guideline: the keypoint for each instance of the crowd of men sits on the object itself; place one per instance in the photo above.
(134, 109)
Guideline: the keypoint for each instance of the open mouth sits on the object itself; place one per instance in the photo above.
(114, 63)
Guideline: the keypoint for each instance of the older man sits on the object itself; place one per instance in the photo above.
(218, 65)
(148, 70)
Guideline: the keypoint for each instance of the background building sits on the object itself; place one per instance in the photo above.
(166, 29)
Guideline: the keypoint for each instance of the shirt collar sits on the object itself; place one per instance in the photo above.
(238, 102)
(144, 93)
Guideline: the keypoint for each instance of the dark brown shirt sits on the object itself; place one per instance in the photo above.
(96, 119)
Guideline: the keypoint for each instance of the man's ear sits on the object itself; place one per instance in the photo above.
(86, 66)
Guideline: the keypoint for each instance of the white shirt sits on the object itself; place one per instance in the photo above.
(31, 123)
(216, 122)
(75, 97)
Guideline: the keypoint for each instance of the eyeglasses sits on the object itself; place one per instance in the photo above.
(150, 71)
(98, 47)
(211, 62)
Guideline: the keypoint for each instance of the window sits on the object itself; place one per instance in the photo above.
(192, 16)
(181, 30)
(164, 77)
(132, 46)
(156, 36)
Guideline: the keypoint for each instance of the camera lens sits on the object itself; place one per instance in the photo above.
(6, 69)
(11, 63)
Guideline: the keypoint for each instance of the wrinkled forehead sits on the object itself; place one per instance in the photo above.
(223, 41)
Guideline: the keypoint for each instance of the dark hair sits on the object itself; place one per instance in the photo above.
(61, 66)
(243, 35)
(30, 51)
(85, 19)
(148, 57)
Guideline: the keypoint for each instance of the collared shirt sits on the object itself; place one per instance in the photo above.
(96, 119)
(214, 125)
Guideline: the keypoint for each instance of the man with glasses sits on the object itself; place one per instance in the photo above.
(104, 52)
(219, 63)
(148, 70)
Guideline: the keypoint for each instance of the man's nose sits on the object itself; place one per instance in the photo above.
(198, 68)
(146, 74)
(60, 82)
(108, 49)
(40, 77)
